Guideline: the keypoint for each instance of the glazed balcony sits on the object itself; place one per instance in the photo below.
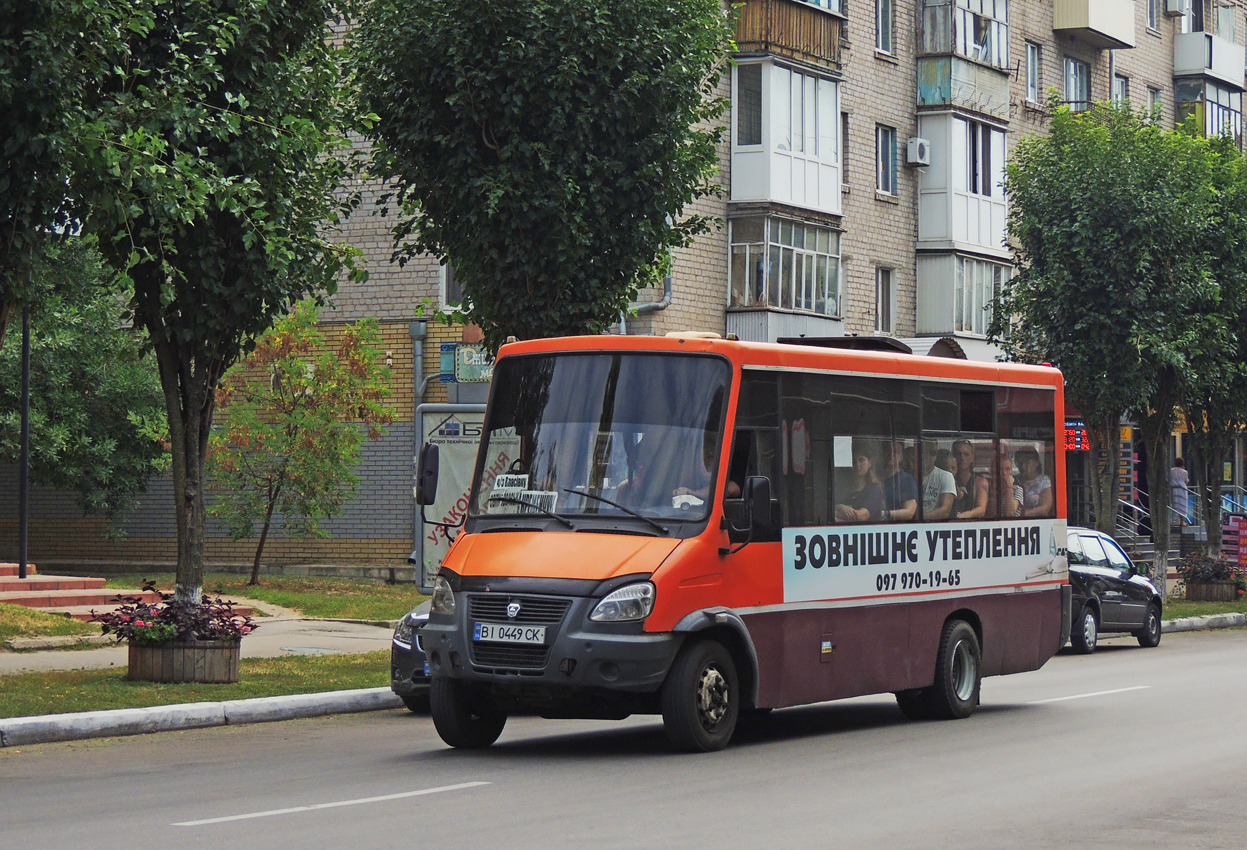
(792, 29)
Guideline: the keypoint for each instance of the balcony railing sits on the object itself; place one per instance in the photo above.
(791, 29)
(1100, 23)
(1207, 54)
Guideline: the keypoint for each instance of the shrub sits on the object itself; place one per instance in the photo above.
(152, 623)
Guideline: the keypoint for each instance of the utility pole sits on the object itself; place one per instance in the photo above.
(23, 488)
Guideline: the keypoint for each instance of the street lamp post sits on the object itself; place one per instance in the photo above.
(23, 494)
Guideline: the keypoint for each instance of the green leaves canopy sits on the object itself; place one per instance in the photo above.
(547, 149)
(1111, 218)
(94, 397)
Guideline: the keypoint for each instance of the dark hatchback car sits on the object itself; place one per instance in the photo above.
(409, 671)
(1110, 593)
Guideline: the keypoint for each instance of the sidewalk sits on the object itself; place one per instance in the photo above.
(280, 635)
(282, 632)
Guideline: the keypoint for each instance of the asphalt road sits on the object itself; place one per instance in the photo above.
(1126, 748)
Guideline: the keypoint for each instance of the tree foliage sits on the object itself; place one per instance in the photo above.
(48, 74)
(1111, 218)
(93, 394)
(211, 165)
(290, 436)
(546, 149)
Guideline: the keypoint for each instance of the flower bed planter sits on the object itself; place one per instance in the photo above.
(204, 661)
(1211, 591)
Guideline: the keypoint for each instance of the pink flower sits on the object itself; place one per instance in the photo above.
(139, 623)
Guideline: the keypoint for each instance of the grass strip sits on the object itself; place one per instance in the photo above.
(330, 598)
(18, 621)
(1176, 608)
(29, 694)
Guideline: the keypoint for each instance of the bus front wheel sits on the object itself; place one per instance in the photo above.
(701, 698)
(958, 672)
(461, 718)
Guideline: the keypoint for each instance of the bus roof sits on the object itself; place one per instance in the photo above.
(802, 357)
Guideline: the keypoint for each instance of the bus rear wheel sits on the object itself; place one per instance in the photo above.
(461, 718)
(701, 698)
(958, 673)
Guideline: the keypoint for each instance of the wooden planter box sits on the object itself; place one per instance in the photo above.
(205, 661)
(1211, 591)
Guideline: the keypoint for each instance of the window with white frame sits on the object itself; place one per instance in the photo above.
(1154, 102)
(1033, 86)
(831, 5)
(785, 137)
(984, 145)
(884, 300)
(1223, 112)
(1153, 14)
(1077, 84)
(977, 283)
(451, 293)
(1225, 21)
(883, 25)
(792, 265)
(1121, 89)
(749, 105)
(982, 31)
(1192, 19)
(885, 145)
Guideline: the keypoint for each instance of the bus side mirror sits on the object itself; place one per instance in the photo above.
(426, 475)
(758, 500)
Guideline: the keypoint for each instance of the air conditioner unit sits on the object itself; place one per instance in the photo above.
(918, 152)
(1175, 8)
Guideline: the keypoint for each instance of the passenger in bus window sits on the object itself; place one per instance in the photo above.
(1011, 494)
(939, 487)
(1036, 487)
(864, 499)
(972, 487)
(900, 491)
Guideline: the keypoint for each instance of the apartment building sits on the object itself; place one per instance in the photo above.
(861, 173)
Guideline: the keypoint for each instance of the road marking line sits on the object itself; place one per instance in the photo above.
(316, 806)
(1093, 694)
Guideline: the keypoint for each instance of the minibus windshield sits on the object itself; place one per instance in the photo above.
(573, 433)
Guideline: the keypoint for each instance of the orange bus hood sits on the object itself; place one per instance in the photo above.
(579, 555)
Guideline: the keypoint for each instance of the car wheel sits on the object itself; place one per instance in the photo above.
(416, 703)
(463, 719)
(1149, 635)
(701, 698)
(958, 673)
(1086, 631)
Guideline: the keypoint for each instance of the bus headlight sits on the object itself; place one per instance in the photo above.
(443, 601)
(631, 602)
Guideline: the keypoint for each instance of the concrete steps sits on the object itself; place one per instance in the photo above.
(71, 596)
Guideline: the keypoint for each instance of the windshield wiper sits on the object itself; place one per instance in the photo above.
(626, 510)
(513, 501)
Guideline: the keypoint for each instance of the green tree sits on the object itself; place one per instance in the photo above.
(93, 393)
(211, 167)
(290, 436)
(1214, 391)
(48, 72)
(1109, 217)
(546, 149)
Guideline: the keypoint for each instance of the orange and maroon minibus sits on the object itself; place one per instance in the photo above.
(704, 528)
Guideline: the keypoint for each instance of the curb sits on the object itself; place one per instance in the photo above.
(43, 729)
(58, 641)
(1209, 621)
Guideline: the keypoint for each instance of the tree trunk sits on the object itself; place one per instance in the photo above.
(1156, 429)
(1103, 437)
(189, 388)
(268, 520)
